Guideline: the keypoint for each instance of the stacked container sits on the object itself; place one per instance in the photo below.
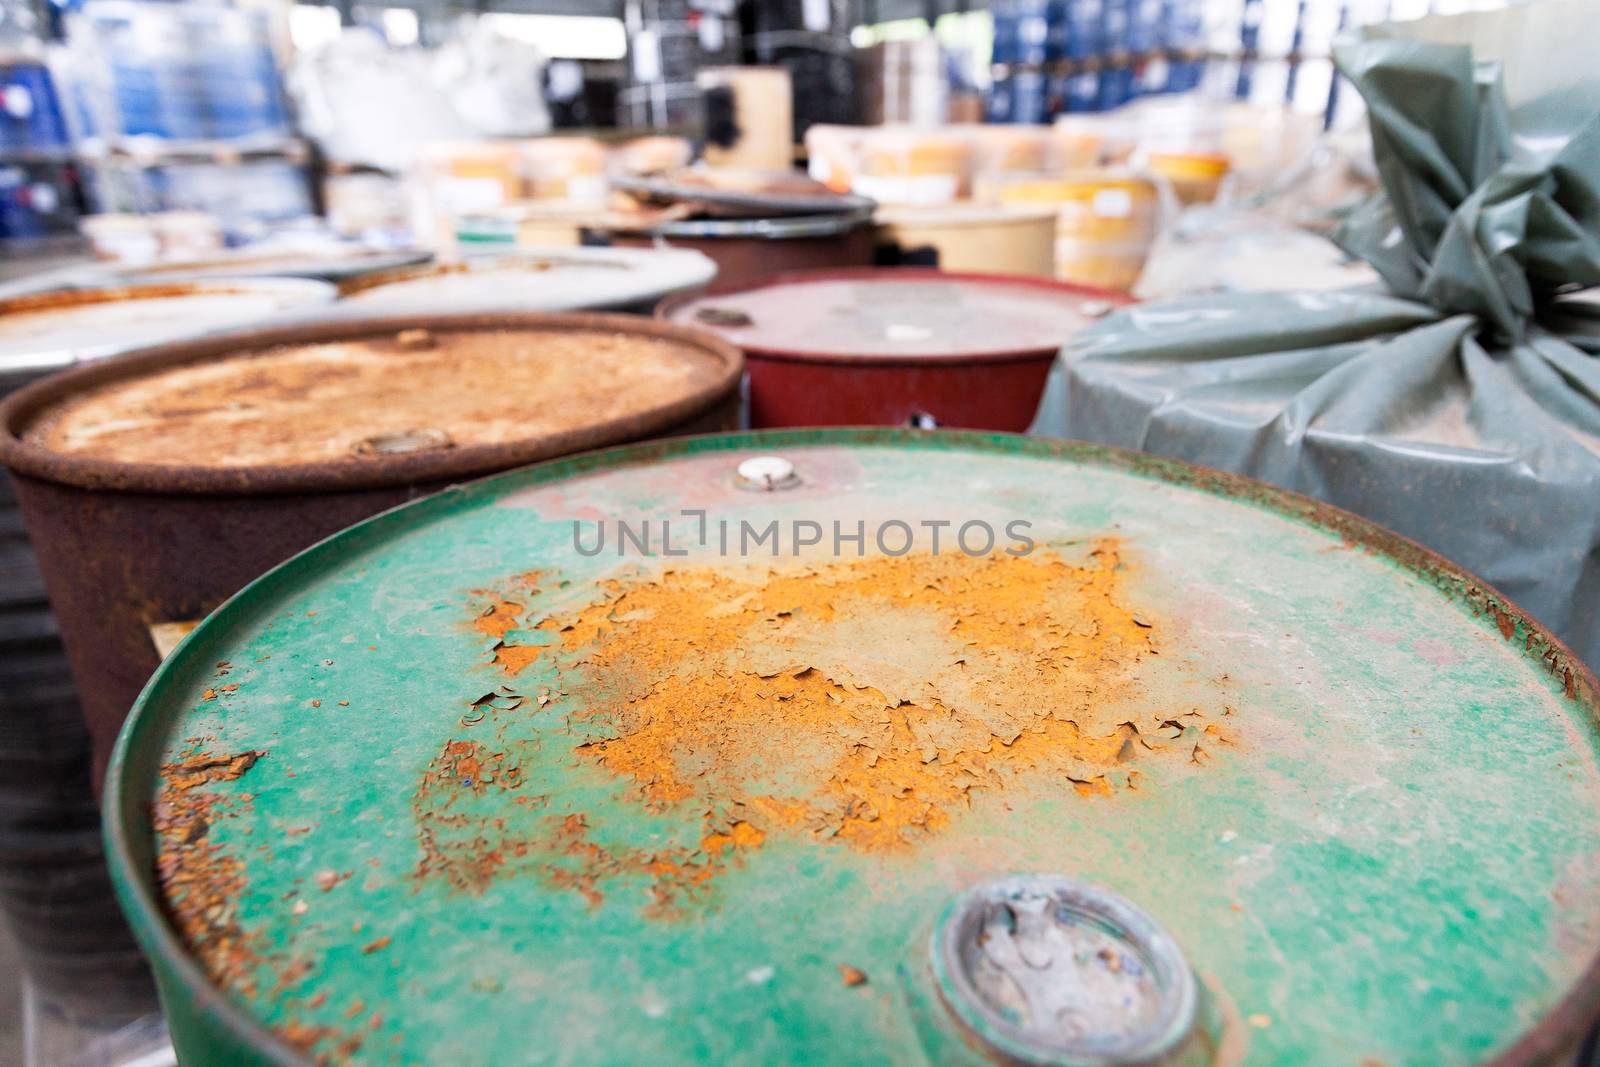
(54, 892)
(30, 109)
(1063, 56)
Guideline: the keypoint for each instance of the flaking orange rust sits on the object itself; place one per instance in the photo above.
(201, 882)
(469, 846)
(732, 693)
(863, 701)
(501, 615)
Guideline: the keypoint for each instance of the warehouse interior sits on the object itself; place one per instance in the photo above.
(949, 532)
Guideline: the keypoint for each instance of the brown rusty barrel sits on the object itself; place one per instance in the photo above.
(156, 485)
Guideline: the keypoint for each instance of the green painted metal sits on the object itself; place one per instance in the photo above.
(1394, 862)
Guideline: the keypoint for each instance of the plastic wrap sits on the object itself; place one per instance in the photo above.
(1460, 407)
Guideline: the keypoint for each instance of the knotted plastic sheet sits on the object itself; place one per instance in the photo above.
(1460, 402)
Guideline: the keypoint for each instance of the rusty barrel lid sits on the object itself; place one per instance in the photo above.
(44, 330)
(866, 746)
(894, 315)
(556, 279)
(364, 403)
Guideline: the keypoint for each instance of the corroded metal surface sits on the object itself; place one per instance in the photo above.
(448, 781)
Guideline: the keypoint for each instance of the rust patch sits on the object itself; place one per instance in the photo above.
(862, 703)
(320, 401)
(499, 618)
(305, 1037)
(574, 860)
(200, 882)
(514, 659)
(459, 843)
(1506, 621)
(501, 614)
(467, 840)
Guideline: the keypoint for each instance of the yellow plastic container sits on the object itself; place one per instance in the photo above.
(475, 175)
(1077, 143)
(831, 155)
(654, 154)
(1097, 205)
(1106, 221)
(975, 237)
(1106, 264)
(1196, 177)
(1011, 149)
(904, 166)
(565, 168)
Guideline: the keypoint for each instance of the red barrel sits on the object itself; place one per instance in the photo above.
(895, 346)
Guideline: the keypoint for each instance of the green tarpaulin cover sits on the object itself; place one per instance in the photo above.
(1458, 404)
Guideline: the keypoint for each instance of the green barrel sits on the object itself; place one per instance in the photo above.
(704, 751)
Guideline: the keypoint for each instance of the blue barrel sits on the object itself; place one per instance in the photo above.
(1083, 92)
(1006, 47)
(38, 200)
(1145, 25)
(1030, 97)
(1116, 86)
(30, 111)
(1085, 29)
(1115, 23)
(1033, 31)
(998, 106)
(1058, 30)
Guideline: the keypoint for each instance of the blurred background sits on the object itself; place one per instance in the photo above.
(140, 131)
